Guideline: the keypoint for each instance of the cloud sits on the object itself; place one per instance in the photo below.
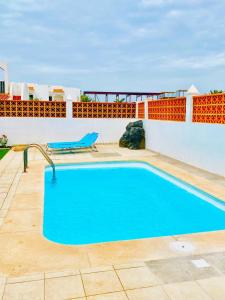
(24, 5)
(155, 2)
(158, 3)
(175, 13)
(203, 62)
(51, 69)
(57, 69)
(137, 42)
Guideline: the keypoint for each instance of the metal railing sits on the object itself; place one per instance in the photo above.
(25, 157)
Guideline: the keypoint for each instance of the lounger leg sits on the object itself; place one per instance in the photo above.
(94, 148)
(48, 151)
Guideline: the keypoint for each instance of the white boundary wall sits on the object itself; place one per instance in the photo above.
(198, 144)
(43, 130)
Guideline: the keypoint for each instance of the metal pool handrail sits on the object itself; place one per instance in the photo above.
(25, 157)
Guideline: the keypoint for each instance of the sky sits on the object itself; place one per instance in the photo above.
(122, 45)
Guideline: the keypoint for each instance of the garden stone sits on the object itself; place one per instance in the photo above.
(134, 137)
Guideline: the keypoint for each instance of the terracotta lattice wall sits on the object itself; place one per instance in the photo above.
(36, 109)
(167, 109)
(209, 109)
(141, 110)
(104, 110)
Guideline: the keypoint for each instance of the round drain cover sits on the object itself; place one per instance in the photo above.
(182, 246)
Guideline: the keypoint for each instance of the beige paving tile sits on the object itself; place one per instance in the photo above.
(6, 204)
(96, 269)
(111, 296)
(3, 213)
(3, 195)
(62, 274)
(2, 198)
(180, 269)
(64, 288)
(137, 278)
(26, 290)
(29, 252)
(27, 201)
(2, 286)
(217, 260)
(27, 187)
(127, 252)
(3, 189)
(185, 290)
(22, 220)
(214, 287)
(28, 277)
(128, 266)
(151, 293)
(102, 282)
(205, 242)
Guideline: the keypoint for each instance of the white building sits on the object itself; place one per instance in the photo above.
(33, 91)
(4, 85)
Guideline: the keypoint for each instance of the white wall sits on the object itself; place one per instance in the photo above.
(16, 89)
(198, 144)
(43, 130)
(24, 91)
(72, 93)
(41, 91)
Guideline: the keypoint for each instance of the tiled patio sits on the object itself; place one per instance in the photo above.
(32, 267)
(138, 281)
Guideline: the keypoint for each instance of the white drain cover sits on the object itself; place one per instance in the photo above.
(200, 263)
(182, 246)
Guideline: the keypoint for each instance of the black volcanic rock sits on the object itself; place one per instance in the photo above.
(134, 137)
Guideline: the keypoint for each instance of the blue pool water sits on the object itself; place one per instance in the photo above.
(103, 202)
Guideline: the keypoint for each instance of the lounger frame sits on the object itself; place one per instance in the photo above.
(55, 151)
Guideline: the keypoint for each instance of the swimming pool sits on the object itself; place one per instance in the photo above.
(104, 202)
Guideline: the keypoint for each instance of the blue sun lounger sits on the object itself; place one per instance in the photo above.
(88, 141)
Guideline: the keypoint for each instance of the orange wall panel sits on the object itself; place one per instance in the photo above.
(209, 109)
(167, 109)
(104, 110)
(32, 109)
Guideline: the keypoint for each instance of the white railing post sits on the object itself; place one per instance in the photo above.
(193, 91)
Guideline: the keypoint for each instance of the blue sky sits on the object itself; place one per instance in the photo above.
(135, 45)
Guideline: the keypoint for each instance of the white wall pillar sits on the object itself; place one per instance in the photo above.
(193, 91)
(136, 116)
(24, 91)
(11, 90)
(146, 109)
(69, 108)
